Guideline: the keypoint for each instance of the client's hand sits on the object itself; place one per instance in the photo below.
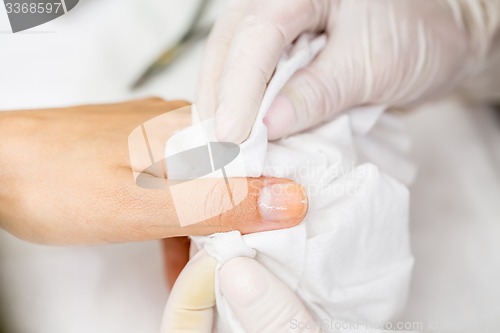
(66, 178)
(259, 300)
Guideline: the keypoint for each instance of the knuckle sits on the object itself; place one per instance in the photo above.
(226, 203)
(318, 95)
(263, 26)
(253, 66)
(217, 202)
(269, 25)
(128, 203)
(320, 10)
(219, 38)
(313, 14)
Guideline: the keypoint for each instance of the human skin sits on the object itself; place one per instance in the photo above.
(67, 178)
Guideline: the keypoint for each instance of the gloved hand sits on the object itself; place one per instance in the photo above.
(392, 52)
(261, 302)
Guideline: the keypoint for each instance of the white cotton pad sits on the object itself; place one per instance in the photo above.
(350, 260)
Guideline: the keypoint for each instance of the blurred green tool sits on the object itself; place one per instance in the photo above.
(192, 34)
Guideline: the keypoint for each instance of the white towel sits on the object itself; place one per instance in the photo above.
(350, 260)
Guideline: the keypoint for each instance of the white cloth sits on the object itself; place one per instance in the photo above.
(116, 290)
(350, 259)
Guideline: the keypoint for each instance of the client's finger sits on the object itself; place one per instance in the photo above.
(175, 256)
(260, 301)
(207, 206)
(159, 207)
(190, 305)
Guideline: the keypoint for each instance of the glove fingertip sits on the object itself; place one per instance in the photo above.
(241, 281)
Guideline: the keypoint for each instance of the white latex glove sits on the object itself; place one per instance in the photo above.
(261, 302)
(391, 52)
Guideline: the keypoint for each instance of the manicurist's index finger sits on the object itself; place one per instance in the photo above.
(255, 49)
(214, 56)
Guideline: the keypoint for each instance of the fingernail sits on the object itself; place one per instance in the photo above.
(282, 202)
(241, 281)
(280, 118)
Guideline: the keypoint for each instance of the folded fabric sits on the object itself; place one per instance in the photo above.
(350, 260)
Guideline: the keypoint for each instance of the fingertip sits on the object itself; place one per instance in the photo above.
(283, 202)
(271, 204)
(242, 281)
(260, 301)
(280, 119)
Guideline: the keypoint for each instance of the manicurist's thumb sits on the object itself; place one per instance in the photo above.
(260, 301)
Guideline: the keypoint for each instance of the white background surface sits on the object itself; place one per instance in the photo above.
(94, 53)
